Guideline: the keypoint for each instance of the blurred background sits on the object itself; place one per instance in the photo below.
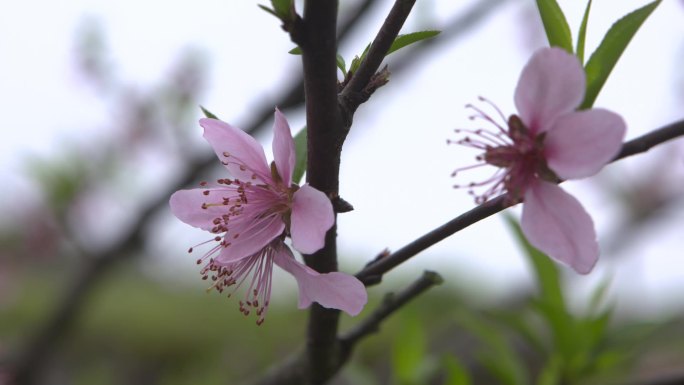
(100, 102)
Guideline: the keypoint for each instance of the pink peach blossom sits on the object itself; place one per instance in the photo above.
(252, 213)
(548, 141)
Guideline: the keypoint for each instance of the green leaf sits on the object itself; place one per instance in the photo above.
(598, 295)
(208, 113)
(409, 351)
(555, 24)
(612, 46)
(456, 373)
(282, 8)
(295, 51)
(301, 154)
(497, 356)
(551, 372)
(551, 304)
(400, 42)
(546, 271)
(405, 40)
(581, 37)
(358, 59)
(269, 10)
(341, 64)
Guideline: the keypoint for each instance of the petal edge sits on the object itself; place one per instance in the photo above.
(557, 224)
(312, 217)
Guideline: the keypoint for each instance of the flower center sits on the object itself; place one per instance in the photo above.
(514, 150)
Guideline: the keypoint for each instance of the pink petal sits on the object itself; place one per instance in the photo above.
(332, 290)
(186, 205)
(551, 84)
(246, 154)
(251, 238)
(557, 224)
(283, 148)
(580, 143)
(312, 217)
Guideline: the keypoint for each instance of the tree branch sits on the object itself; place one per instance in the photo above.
(372, 273)
(355, 92)
(390, 304)
(325, 139)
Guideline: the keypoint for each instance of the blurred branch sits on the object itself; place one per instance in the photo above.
(292, 371)
(372, 273)
(662, 380)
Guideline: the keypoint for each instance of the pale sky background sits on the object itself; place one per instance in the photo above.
(396, 164)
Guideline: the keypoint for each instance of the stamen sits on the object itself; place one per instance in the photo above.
(516, 158)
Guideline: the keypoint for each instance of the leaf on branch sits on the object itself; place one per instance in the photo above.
(282, 7)
(295, 51)
(341, 64)
(405, 40)
(612, 46)
(301, 154)
(555, 24)
(358, 59)
(400, 42)
(269, 10)
(208, 113)
(581, 37)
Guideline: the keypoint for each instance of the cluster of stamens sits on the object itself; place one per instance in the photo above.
(513, 150)
(259, 267)
(245, 206)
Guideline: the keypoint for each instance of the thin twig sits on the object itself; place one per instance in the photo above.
(373, 272)
(390, 304)
(376, 54)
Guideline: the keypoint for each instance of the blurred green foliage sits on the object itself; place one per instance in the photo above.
(136, 329)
